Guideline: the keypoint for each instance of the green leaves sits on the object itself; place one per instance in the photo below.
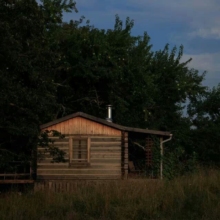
(53, 10)
(27, 69)
(49, 69)
(46, 143)
(204, 112)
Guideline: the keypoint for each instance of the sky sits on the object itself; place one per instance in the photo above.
(193, 23)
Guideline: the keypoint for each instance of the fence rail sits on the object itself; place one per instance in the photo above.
(19, 172)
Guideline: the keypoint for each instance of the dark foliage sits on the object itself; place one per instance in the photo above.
(49, 69)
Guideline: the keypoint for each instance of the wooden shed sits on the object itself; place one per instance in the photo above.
(94, 147)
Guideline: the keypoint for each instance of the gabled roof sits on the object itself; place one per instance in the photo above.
(104, 122)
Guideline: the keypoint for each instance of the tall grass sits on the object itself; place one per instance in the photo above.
(194, 196)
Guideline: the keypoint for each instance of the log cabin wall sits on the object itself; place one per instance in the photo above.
(104, 152)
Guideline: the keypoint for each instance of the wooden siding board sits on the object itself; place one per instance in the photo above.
(92, 161)
(53, 166)
(65, 150)
(47, 156)
(74, 129)
(78, 171)
(106, 155)
(55, 127)
(79, 177)
(106, 139)
(80, 125)
(66, 127)
(105, 158)
(89, 149)
(48, 160)
(70, 127)
(124, 157)
(105, 143)
(76, 124)
(93, 166)
(106, 150)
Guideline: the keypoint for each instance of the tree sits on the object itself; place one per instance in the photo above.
(148, 89)
(99, 67)
(28, 91)
(205, 117)
(50, 69)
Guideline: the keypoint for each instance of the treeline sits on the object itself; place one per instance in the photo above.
(50, 68)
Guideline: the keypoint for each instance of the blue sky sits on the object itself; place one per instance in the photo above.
(193, 23)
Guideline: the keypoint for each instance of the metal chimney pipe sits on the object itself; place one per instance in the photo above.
(109, 117)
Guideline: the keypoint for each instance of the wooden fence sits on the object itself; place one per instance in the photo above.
(19, 173)
(67, 186)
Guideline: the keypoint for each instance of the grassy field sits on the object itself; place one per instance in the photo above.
(195, 196)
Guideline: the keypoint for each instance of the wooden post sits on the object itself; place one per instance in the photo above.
(126, 155)
(149, 156)
(31, 171)
(70, 149)
(122, 153)
(161, 158)
(88, 150)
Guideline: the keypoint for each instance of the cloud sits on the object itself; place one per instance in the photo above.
(188, 6)
(201, 16)
(213, 32)
(85, 3)
(193, 23)
(204, 62)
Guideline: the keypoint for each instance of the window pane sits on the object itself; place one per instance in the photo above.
(75, 142)
(83, 142)
(79, 150)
